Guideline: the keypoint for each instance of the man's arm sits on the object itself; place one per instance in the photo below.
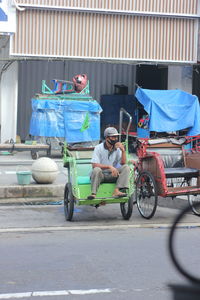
(121, 147)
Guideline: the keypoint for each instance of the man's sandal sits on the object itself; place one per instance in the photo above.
(91, 197)
(121, 195)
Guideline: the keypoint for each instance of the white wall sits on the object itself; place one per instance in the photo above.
(180, 77)
(8, 102)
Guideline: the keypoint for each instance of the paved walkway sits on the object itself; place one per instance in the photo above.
(40, 215)
(11, 192)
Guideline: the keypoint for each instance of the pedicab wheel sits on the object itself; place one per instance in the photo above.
(193, 201)
(34, 155)
(127, 208)
(68, 202)
(146, 195)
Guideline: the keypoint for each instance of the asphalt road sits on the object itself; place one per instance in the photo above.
(98, 256)
(52, 216)
(130, 263)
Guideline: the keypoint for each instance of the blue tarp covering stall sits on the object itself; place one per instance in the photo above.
(170, 110)
(76, 121)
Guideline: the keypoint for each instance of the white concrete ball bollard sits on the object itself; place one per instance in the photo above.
(44, 170)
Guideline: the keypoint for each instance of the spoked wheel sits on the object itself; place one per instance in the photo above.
(68, 202)
(127, 208)
(194, 199)
(146, 195)
(34, 155)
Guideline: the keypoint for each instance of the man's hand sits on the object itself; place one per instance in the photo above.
(120, 146)
(114, 171)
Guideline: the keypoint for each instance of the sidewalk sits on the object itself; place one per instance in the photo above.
(11, 192)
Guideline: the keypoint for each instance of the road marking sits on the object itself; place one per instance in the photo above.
(54, 293)
(87, 292)
(10, 172)
(16, 295)
(50, 293)
(96, 227)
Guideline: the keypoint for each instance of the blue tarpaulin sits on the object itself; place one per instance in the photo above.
(171, 110)
(61, 118)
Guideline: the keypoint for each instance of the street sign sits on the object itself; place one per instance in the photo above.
(7, 17)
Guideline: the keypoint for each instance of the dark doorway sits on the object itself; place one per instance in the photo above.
(152, 77)
(196, 81)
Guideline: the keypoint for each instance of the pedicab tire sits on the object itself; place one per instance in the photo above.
(68, 202)
(66, 165)
(34, 155)
(194, 208)
(127, 211)
(153, 210)
(49, 152)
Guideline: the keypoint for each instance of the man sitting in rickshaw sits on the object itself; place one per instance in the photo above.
(109, 164)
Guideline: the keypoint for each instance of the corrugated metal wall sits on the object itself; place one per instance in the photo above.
(121, 37)
(102, 77)
(170, 6)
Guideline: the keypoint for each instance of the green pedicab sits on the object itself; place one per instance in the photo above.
(78, 164)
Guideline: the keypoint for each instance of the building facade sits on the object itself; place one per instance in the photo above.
(111, 39)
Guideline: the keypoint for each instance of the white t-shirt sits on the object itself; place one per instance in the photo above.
(102, 156)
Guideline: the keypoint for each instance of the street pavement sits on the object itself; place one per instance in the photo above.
(39, 196)
(116, 264)
(51, 217)
(42, 253)
(13, 192)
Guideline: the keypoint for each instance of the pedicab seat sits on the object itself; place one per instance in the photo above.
(181, 172)
(83, 172)
(83, 180)
(173, 161)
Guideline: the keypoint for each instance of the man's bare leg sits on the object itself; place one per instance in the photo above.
(117, 193)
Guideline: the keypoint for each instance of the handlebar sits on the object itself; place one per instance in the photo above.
(122, 112)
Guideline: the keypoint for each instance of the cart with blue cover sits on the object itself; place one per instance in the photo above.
(168, 165)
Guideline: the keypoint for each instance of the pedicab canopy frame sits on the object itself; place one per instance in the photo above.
(168, 166)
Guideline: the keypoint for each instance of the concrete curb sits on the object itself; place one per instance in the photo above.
(32, 201)
(98, 227)
(49, 193)
(31, 191)
(57, 197)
